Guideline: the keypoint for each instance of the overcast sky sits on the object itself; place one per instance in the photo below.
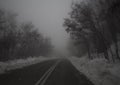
(46, 14)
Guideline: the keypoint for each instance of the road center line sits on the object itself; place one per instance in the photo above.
(47, 74)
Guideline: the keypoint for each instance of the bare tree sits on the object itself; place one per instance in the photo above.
(84, 21)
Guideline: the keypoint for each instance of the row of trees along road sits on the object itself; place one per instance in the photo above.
(95, 25)
(20, 40)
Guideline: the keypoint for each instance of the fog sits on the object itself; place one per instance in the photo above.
(47, 15)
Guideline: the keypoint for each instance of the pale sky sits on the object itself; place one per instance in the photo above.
(47, 15)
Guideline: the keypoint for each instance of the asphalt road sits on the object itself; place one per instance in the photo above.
(52, 72)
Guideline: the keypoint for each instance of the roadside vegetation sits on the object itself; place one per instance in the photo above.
(20, 40)
(94, 28)
(21, 43)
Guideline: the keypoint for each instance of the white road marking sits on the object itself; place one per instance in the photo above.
(47, 74)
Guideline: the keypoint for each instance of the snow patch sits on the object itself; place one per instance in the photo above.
(98, 70)
(20, 63)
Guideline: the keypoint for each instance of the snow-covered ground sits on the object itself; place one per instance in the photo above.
(99, 71)
(16, 64)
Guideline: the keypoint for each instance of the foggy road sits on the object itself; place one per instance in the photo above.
(51, 72)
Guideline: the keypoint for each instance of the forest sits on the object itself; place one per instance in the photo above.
(94, 28)
(19, 40)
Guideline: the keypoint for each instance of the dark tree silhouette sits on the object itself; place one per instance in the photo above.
(89, 21)
(20, 40)
(98, 22)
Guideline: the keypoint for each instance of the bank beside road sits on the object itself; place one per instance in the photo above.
(28, 75)
(50, 72)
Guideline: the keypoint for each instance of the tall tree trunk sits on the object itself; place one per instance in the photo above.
(113, 59)
(106, 55)
(89, 53)
(117, 50)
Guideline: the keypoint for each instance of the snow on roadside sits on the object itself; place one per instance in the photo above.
(16, 64)
(98, 70)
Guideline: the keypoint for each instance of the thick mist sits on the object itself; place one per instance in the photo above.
(47, 15)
